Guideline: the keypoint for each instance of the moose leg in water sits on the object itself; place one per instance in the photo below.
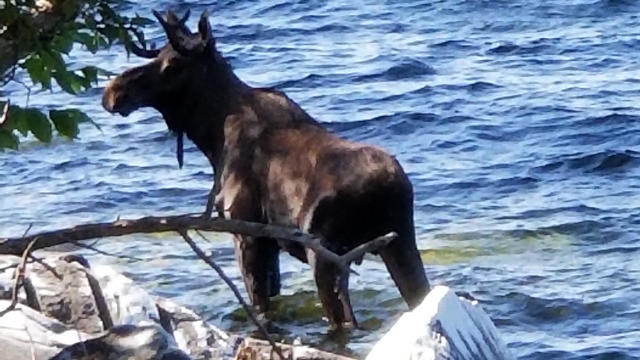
(258, 257)
(333, 291)
(403, 261)
(259, 262)
(401, 256)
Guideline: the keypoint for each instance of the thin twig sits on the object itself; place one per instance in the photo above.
(94, 243)
(24, 234)
(202, 236)
(20, 270)
(10, 266)
(234, 289)
(377, 243)
(26, 87)
(48, 267)
(102, 252)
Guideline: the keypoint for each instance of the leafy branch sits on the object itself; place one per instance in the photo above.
(35, 38)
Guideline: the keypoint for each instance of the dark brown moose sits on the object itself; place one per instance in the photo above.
(273, 163)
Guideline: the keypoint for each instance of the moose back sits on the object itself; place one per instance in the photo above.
(273, 163)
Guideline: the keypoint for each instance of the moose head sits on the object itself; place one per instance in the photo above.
(185, 79)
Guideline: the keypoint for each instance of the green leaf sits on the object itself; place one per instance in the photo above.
(66, 121)
(37, 71)
(100, 41)
(52, 60)
(38, 124)
(141, 21)
(90, 73)
(73, 114)
(17, 120)
(86, 40)
(107, 13)
(8, 140)
(69, 82)
(112, 33)
(90, 21)
(64, 42)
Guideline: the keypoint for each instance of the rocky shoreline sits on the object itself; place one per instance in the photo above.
(72, 310)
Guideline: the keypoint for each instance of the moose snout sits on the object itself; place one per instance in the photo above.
(114, 100)
(109, 98)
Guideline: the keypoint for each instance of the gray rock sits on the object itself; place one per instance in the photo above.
(126, 342)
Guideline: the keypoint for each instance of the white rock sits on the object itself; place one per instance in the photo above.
(129, 304)
(26, 334)
(443, 326)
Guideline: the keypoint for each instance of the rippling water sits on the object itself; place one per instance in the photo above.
(516, 120)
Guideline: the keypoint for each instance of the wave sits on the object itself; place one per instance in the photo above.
(548, 311)
(454, 45)
(603, 161)
(407, 69)
(475, 86)
(608, 120)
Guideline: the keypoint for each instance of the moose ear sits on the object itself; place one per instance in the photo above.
(171, 17)
(204, 28)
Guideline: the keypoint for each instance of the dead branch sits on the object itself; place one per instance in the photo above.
(48, 267)
(20, 270)
(375, 244)
(233, 288)
(153, 224)
(100, 300)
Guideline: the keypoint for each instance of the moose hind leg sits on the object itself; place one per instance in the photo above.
(402, 258)
(333, 291)
(259, 262)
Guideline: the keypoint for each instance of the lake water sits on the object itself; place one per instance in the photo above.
(517, 121)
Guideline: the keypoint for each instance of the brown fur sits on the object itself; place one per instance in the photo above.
(273, 163)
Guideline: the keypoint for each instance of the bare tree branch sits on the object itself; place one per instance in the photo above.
(233, 288)
(153, 224)
(20, 270)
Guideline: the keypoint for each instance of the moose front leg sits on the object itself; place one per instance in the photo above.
(259, 262)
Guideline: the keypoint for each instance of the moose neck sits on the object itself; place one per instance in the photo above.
(200, 112)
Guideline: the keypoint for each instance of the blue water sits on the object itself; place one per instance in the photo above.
(517, 121)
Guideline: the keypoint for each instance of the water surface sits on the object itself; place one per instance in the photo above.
(517, 122)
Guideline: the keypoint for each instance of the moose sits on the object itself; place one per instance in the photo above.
(273, 163)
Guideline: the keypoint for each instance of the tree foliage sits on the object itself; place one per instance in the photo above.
(35, 38)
